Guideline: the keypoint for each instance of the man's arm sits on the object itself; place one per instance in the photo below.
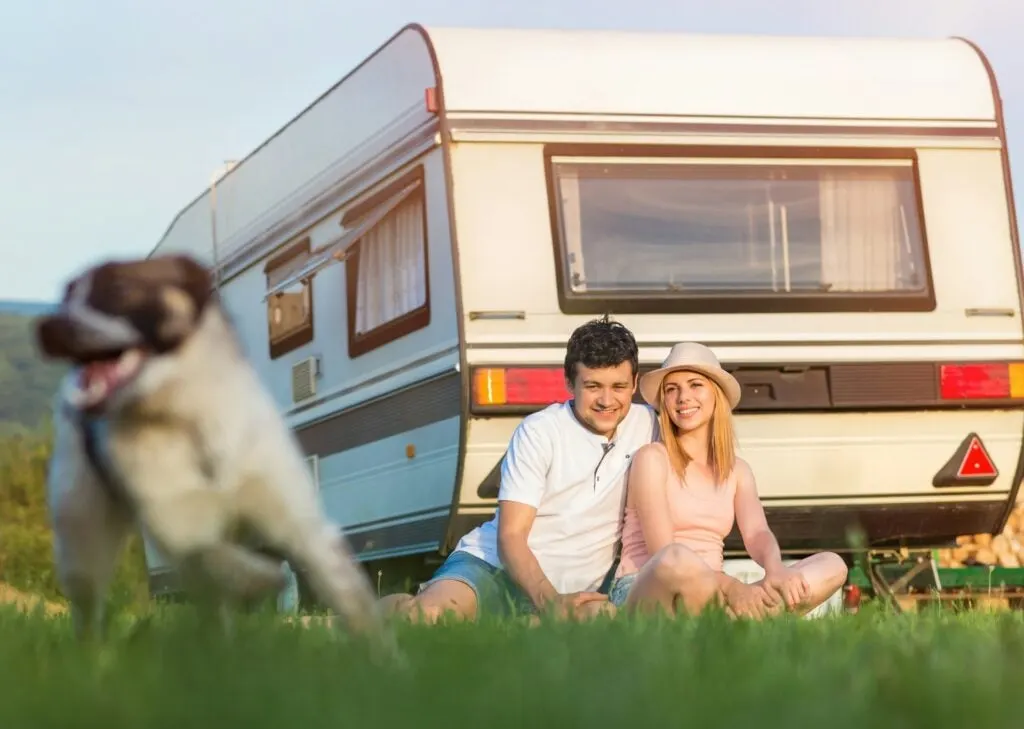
(517, 557)
(524, 471)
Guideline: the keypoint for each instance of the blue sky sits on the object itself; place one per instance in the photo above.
(114, 114)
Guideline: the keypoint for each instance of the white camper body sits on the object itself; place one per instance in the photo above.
(406, 259)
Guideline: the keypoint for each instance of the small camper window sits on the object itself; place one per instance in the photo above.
(290, 311)
(741, 234)
(386, 269)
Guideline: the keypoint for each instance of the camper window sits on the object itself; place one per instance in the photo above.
(290, 311)
(386, 271)
(741, 234)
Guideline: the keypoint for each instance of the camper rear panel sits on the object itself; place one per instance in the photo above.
(864, 294)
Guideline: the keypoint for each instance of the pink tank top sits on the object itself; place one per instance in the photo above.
(701, 520)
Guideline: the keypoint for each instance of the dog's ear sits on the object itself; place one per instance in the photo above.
(193, 278)
(182, 299)
(53, 333)
(182, 290)
(52, 336)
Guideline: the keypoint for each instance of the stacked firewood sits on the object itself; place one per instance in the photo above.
(1001, 550)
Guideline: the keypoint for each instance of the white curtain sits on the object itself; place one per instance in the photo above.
(392, 267)
(862, 232)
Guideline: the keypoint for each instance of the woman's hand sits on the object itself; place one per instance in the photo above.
(569, 606)
(787, 585)
(751, 601)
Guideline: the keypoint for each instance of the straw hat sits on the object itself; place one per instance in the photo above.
(694, 357)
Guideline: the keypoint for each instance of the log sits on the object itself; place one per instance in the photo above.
(1005, 549)
(986, 556)
(1008, 560)
(960, 554)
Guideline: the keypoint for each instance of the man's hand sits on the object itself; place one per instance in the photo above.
(565, 606)
(786, 585)
(751, 601)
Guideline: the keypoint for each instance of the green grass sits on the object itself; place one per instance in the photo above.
(870, 670)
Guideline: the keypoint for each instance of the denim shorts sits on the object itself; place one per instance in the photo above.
(620, 589)
(496, 592)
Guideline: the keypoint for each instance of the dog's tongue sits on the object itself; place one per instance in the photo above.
(98, 378)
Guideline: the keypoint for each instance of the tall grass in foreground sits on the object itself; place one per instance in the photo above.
(868, 670)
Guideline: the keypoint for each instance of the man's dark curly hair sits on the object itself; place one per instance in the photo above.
(600, 343)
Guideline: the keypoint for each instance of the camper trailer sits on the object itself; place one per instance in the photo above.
(407, 257)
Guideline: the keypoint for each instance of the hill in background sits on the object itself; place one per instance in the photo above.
(27, 383)
(24, 308)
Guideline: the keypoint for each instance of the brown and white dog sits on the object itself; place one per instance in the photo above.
(163, 423)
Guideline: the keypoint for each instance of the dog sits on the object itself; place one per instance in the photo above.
(162, 423)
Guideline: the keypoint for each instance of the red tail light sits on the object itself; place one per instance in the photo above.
(984, 381)
(497, 386)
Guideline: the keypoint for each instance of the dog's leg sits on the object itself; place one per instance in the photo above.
(337, 577)
(205, 595)
(320, 550)
(238, 575)
(85, 553)
(340, 582)
(89, 530)
(220, 576)
(289, 518)
(244, 574)
(218, 573)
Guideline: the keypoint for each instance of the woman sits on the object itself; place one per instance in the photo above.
(683, 494)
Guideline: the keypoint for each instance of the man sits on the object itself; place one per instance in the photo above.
(551, 545)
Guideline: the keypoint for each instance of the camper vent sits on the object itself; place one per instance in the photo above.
(304, 374)
(313, 462)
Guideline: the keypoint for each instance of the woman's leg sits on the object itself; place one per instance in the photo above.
(674, 578)
(825, 573)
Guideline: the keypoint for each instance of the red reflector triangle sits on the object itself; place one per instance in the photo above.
(976, 461)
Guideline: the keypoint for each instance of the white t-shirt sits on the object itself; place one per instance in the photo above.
(576, 480)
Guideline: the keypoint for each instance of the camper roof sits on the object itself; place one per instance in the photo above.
(679, 74)
(493, 76)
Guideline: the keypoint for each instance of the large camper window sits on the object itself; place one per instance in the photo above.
(668, 234)
(290, 311)
(387, 274)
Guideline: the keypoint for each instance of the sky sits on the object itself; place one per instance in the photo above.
(115, 113)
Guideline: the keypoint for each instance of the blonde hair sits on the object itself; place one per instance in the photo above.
(721, 444)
